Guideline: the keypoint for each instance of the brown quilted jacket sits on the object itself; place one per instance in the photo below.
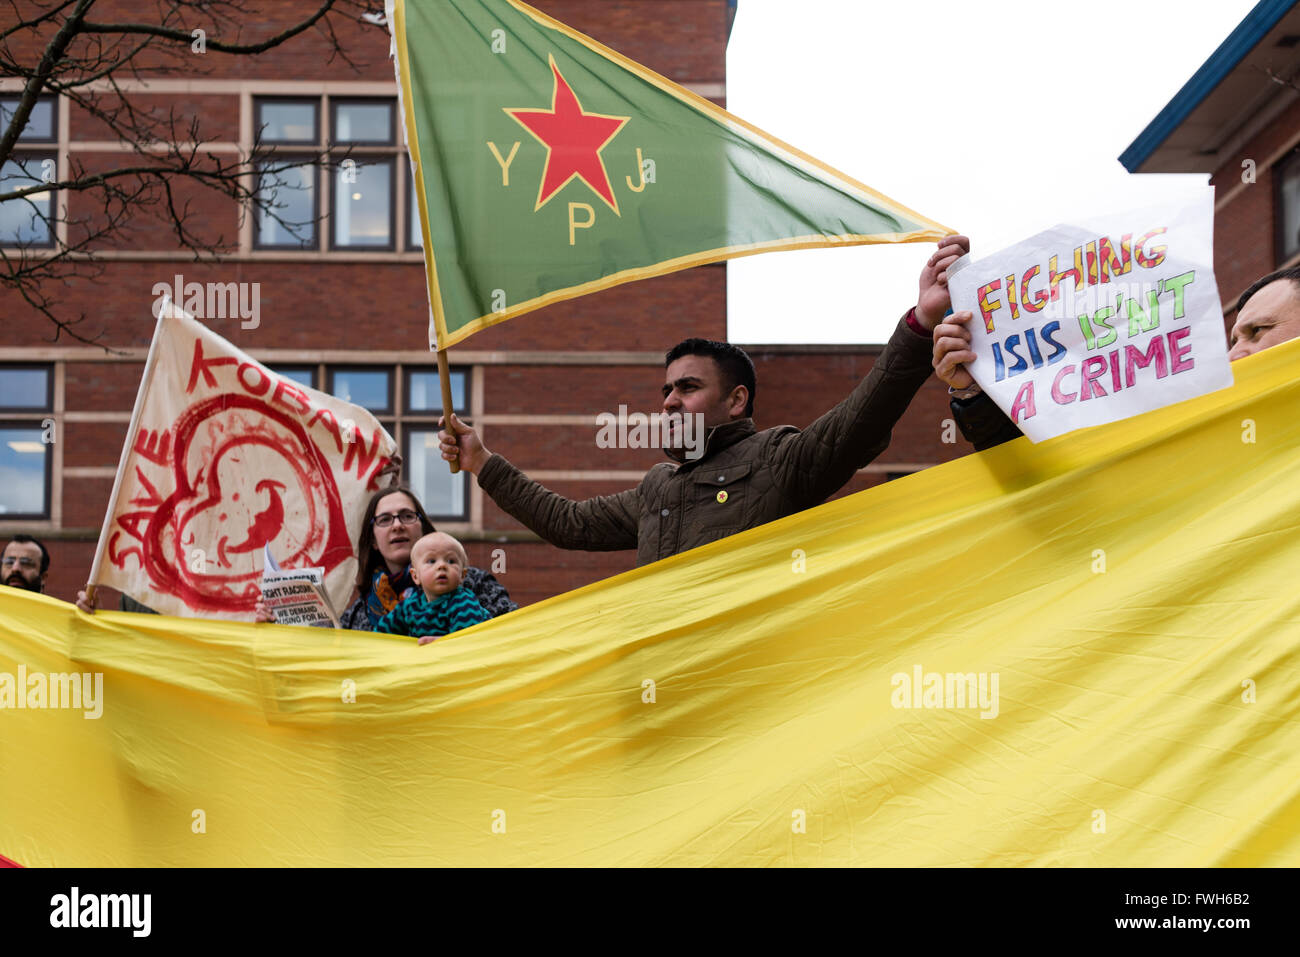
(765, 475)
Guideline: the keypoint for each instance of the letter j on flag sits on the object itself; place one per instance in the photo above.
(547, 166)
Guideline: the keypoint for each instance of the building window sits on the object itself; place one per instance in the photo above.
(290, 223)
(291, 122)
(365, 201)
(28, 221)
(1288, 208)
(303, 375)
(407, 400)
(26, 388)
(416, 238)
(363, 206)
(26, 434)
(424, 391)
(444, 495)
(364, 191)
(363, 122)
(370, 388)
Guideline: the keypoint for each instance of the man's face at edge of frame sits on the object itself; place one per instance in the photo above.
(1269, 318)
(17, 576)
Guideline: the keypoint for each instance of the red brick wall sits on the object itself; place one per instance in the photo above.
(685, 40)
(1245, 228)
(378, 305)
(99, 386)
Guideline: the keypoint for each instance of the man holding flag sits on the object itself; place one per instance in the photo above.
(744, 478)
(570, 169)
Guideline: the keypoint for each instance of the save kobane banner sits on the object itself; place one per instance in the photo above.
(1079, 653)
(223, 458)
(1095, 322)
(548, 166)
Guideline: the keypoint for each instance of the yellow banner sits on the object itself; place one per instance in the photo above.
(1085, 652)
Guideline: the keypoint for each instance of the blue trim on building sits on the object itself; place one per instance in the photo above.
(1222, 61)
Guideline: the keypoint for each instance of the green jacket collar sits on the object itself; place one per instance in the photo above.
(718, 438)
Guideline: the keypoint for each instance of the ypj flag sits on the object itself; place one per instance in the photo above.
(548, 166)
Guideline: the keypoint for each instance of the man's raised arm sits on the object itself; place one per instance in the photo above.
(816, 462)
(606, 523)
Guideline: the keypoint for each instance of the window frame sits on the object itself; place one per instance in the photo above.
(286, 369)
(408, 433)
(412, 215)
(401, 421)
(34, 417)
(330, 151)
(314, 243)
(367, 160)
(47, 489)
(409, 370)
(1287, 165)
(389, 102)
(48, 369)
(389, 411)
(413, 419)
(258, 125)
(29, 148)
(21, 143)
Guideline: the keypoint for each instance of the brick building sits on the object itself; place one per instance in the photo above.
(346, 310)
(1238, 120)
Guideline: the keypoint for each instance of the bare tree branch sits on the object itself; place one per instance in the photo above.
(121, 29)
(1281, 81)
(166, 166)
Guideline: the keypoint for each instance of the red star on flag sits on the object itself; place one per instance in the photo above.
(573, 139)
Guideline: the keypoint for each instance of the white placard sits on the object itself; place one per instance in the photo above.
(1097, 321)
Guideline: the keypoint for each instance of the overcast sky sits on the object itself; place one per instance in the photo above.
(996, 118)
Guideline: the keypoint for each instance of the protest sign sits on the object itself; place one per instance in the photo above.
(1097, 321)
(296, 596)
(223, 457)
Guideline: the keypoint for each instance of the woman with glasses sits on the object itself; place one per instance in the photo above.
(393, 522)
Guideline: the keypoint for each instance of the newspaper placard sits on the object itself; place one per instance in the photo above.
(296, 596)
(1095, 322)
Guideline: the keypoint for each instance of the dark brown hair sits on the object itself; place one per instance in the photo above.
(1293, 274)
(369, 557)
(732, 361)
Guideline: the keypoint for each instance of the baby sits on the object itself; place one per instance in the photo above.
(440, 604)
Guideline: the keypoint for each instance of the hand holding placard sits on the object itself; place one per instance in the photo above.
(1092, 323)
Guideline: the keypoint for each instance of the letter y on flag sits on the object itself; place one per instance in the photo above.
(548, 166)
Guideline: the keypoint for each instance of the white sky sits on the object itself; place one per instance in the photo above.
(998, 119)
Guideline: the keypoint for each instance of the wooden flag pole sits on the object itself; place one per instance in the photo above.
(444, 377)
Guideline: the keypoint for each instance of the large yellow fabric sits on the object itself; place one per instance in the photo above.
(1133, 587)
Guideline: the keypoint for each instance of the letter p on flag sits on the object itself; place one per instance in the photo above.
(582, 114)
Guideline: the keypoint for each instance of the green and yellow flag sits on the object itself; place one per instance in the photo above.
(547, 166)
